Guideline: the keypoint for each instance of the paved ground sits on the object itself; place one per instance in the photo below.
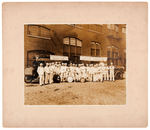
(94, 93)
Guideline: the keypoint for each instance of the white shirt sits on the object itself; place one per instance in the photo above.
(63, 69)
(51, 69)
(111, 68)
(40, 70)
(47, 70)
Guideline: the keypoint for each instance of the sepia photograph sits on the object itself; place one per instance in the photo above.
(75, 64)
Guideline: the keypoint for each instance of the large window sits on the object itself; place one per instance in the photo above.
(95, 48)
(72, 48)
(38, 31)
(113, 55)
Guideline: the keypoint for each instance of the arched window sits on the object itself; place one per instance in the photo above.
(38, 31)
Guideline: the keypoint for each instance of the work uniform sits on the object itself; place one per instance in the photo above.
(65, 72)
(62, 71)
(51, 70)
(95, 75)
(57, 69)
(103, 73)
(40, 71)
(47, 74)
(78, 73)
(92, 72)
(100, 70)
(107, 72)
(112, 76)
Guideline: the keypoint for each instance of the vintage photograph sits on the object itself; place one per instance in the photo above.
(75, 64)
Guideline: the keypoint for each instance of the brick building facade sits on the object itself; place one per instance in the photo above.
(75, 40)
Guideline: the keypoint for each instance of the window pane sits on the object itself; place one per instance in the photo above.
(97, 52)
(66, 40)
(72, 41)
(79, 43)
(78, 51)
(92, 52)
(72, 49)
(66, 48)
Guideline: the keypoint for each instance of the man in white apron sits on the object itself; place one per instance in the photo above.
(51, 69)
(40, 72)
(100, 70)
(106, 76)
(47, 73)
(112, 76)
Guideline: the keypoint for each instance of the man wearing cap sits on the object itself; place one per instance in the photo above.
(112, 76)
(40, 71)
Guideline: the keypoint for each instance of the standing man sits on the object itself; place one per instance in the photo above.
(100, 70)
(47, 73)
(107, 72)
(62, 71)
(51, 70)
(112, 76)
(40, 71)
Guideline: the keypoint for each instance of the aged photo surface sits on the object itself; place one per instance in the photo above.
(74, 64)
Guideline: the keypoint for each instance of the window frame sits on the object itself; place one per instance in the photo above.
(95, 43)
(73, 45)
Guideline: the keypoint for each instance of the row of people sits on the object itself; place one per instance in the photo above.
(74, 72)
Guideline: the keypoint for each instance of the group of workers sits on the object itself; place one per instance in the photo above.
(74, 72)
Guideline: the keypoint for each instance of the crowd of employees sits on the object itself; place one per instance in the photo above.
(74, 73)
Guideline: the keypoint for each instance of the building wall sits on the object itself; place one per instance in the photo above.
(110, 39)
(33, 43)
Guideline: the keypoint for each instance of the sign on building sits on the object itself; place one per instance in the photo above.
(56, 57)
(90, 58)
